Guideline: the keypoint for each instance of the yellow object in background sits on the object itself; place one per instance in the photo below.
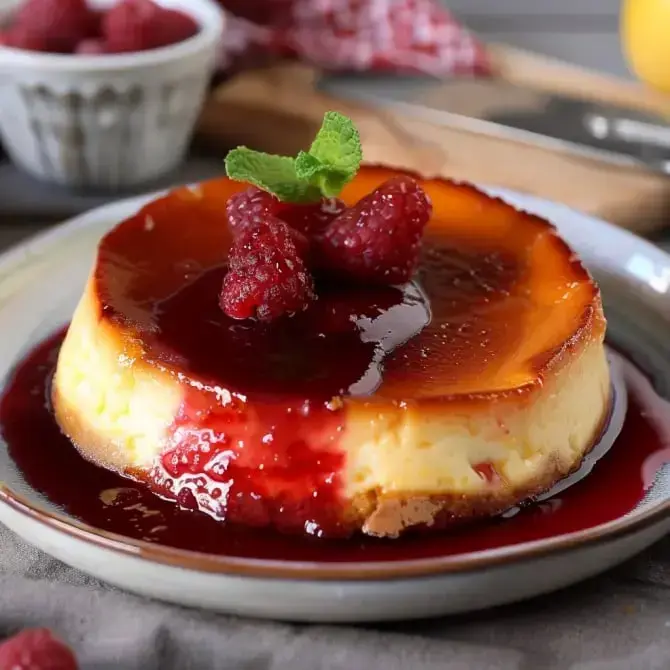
(645, 36)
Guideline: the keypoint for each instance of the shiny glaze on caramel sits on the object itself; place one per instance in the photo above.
(501, 298)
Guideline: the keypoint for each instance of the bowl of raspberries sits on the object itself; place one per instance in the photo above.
(104, 94)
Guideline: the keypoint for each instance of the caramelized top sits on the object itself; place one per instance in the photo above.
(499, 298)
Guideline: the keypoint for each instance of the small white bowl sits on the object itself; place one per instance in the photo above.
(111, 121)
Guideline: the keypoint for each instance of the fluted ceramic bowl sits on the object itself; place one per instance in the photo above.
(112, 121)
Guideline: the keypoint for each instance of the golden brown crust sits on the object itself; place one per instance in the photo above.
(390, 515)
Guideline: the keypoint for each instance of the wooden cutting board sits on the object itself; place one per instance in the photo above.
(278, 110)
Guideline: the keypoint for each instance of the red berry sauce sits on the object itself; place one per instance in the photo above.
(51, 465)
(268, 456)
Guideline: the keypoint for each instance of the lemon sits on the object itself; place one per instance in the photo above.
(645, 35)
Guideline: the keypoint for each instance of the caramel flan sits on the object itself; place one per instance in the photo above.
(477, 385)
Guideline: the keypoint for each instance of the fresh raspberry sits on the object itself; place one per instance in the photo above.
(174, 27)
(139, 25)
(36, 649)
(130, 26)
(302, 245)
(266, 276)
(247, 206)
(92, 47)
(18, 37)
(314, 218)
(378, 240)
(62, 24)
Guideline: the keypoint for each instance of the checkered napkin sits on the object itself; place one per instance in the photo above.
(401, 36)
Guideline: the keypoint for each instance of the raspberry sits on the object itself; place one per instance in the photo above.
(174, 26)
(139, 25)
(302, 245)
(248, 206)
(244, 209)
(314, 218)
(266, 276)
(18, 37)
(130, 25)
(61, 24)
(378, 240)
(36, 649)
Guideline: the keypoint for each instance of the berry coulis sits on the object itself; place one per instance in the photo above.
(269, 455)
(49, 463)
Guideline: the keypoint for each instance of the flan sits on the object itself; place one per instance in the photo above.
(476, 386)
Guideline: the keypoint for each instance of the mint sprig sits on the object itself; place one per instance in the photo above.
(274, 174)
(331, 162)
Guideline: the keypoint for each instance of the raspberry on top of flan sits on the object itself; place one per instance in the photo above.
(479, 383)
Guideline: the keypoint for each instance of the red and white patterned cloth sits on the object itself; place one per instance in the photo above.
(403, 36)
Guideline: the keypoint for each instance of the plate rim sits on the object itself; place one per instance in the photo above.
(460, 564)
(606, 533)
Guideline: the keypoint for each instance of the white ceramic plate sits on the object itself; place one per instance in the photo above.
(40, 283)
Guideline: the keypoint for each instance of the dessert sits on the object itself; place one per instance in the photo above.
(75, 27)
(366, 405)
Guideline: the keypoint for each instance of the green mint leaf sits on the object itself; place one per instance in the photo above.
(337, 147)
(306, 166)
(331, 162)
(274, 174)
(328, 180)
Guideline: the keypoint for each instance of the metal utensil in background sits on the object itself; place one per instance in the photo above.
(605, 132)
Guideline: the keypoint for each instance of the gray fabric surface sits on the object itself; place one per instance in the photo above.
(620, 621)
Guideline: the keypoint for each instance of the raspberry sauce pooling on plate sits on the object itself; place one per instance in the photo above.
(50, 464)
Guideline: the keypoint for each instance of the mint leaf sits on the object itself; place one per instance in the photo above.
(328, 180)
(274, 174)
(334, 157)
(306, 166)
(338, 144)
(331, 162)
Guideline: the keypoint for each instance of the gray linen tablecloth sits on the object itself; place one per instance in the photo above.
(620, 621)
